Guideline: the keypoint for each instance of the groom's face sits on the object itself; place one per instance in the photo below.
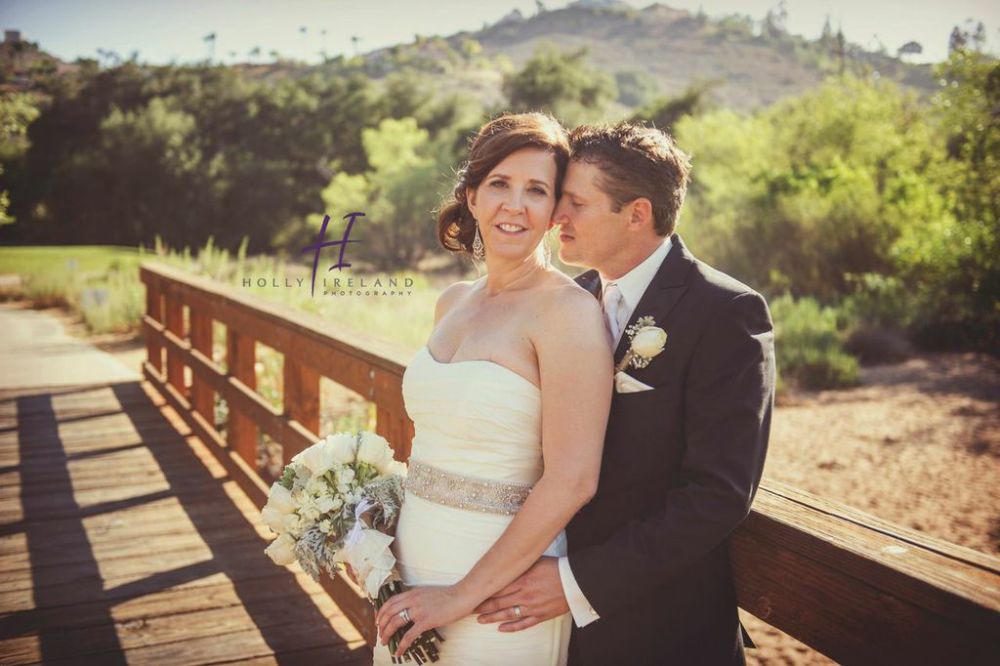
(590, 232)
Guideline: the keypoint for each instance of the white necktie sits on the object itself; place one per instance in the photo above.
(613, 310)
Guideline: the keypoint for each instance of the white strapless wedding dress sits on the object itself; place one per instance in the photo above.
(476, 422)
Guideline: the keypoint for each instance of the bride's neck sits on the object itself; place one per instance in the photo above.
(505, 276)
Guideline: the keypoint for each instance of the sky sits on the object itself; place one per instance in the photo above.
(173, 30)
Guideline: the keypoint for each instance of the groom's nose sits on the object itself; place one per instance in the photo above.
(559, 215)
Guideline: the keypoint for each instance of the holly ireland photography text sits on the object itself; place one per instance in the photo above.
(341, 286)
(338, 286)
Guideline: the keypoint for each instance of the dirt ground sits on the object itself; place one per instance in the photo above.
(916, 443)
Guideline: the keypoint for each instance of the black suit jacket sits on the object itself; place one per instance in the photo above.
(680, 469)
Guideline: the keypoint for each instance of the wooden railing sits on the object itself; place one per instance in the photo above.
(854, 587)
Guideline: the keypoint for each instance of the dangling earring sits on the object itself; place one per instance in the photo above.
(547, 251)
(478, 249)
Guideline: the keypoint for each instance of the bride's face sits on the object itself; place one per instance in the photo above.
(514, 203)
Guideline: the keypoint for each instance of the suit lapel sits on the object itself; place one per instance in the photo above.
(591, 281)
(663, 292)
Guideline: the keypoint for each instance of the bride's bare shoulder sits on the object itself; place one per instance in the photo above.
(451, 295)
(564, 299)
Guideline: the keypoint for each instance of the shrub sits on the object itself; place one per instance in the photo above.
(808, 344)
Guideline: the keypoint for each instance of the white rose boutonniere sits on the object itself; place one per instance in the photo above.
(647, 341)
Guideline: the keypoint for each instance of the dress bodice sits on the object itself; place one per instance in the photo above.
(475, 418)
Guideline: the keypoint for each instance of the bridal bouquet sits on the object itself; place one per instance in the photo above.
(335, 505)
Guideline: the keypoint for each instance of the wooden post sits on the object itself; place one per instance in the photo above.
(242, 431)
(154, 308)
(175, 324)
(301, 400)
(202, 395)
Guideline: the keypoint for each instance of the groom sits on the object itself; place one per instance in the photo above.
(648, 577)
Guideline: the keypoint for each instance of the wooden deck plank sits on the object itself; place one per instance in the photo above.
(167, 602)
(279, 616)
(107, 532)
(121, 540)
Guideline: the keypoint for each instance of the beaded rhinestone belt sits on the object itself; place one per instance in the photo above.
(463, 492)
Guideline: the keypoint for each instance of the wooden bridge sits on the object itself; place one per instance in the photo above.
(129, 526)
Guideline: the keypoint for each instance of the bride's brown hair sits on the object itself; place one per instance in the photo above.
(496, 140)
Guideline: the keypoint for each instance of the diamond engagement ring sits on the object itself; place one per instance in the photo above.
(405, 614)
(517, 611)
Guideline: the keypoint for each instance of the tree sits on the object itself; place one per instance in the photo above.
(397, 194)
(776, 21)
(17, 112)
(953, 264)
(812, 190)
(910, 48)
(559, 83)
(957, 40)
(826, 37)
(665, 112)
(634, 87)
(209, 40)
(970, 36)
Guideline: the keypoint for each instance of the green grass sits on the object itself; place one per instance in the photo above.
(81, 259)
(99, 282)
(102, 284)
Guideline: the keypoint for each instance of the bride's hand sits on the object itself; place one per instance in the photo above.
(427, 607)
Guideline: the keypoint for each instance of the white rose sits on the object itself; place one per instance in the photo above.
(397, 468)
(280, 499)
(649, 341)
(282, 550)
(375, 451)
(273, 519)
(344, 446)
(318, 458)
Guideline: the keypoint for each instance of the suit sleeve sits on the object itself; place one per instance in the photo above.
(728, 399)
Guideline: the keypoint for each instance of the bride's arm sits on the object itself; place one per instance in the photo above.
(576, 372)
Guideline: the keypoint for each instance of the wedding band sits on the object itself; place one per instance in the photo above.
(517, 611)
(405, 614)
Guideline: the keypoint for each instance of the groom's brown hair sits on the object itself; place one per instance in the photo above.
(636, 161)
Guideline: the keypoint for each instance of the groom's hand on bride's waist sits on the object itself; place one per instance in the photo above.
(535, 597)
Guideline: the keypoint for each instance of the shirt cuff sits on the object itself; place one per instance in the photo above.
(583, 612)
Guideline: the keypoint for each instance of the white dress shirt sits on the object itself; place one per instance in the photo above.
(632, 286)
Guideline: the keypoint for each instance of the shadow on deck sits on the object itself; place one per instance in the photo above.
(123, 540)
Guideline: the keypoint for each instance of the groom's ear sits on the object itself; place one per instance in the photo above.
(641, 214)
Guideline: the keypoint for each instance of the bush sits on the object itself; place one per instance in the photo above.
(808, 344)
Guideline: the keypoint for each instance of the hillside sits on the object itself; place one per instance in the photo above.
(666, 49)
(674, 48)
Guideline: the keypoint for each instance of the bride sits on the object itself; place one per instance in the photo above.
(509, 400)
